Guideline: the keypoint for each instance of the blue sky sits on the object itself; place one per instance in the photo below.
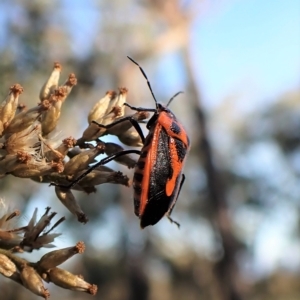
(250, 44)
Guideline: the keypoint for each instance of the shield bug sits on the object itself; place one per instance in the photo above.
(158, 176)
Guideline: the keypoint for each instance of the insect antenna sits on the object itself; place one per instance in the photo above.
(148, 82)
(173, 98)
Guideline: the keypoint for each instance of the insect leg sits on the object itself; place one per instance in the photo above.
(168, 215)
(134, 123)
(100, 163)
(140, 108)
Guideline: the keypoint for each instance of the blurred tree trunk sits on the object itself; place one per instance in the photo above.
(226, 269)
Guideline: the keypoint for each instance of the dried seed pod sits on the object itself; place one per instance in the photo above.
(7, 267)
(32, 168)
(68, 200)
(9, 240)
(119, 102)
(126, 160)
(101, 107)
(33, 238)
(115, 113)
(82, 160)
(50, 117)
(70, 281)
(97, 177)
(94, 131)
(63, 148)
(52, 82)
(131, 138)
(25, 119)
(53, 177)
(26, 141)
(47, 150)
(64, 180)
(10, 104)
(33, 281)
(104, 112)
(55, 258)
(90, 134)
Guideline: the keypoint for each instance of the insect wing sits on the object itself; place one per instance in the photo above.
(166, 158)
(161, 170)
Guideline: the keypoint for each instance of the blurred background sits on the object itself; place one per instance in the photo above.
(238, 63)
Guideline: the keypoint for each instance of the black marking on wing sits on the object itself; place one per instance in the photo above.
(181, 149)
(137, 189)
(175, 128)
(141, 164)
(138, 177)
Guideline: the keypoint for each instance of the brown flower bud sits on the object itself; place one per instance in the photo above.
(55, 258)
(91, 133)
(131, 138)
(24, 119)
(61, 151)
(67, 144)
(9, 240)
(7, 267)
(70, 281)
(68, 200)
(52, 177)
(101, 107)
(50, 117)
(52, 82)
(127, 160)
(97, 177)
(10, 105)
(26, 140)
(94, 131)
(82, 160)
(119, 102)
(47, 150)
(115, 113)
(31, 168)
(33, 281)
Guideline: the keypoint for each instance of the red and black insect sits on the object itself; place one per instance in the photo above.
(158, 176)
